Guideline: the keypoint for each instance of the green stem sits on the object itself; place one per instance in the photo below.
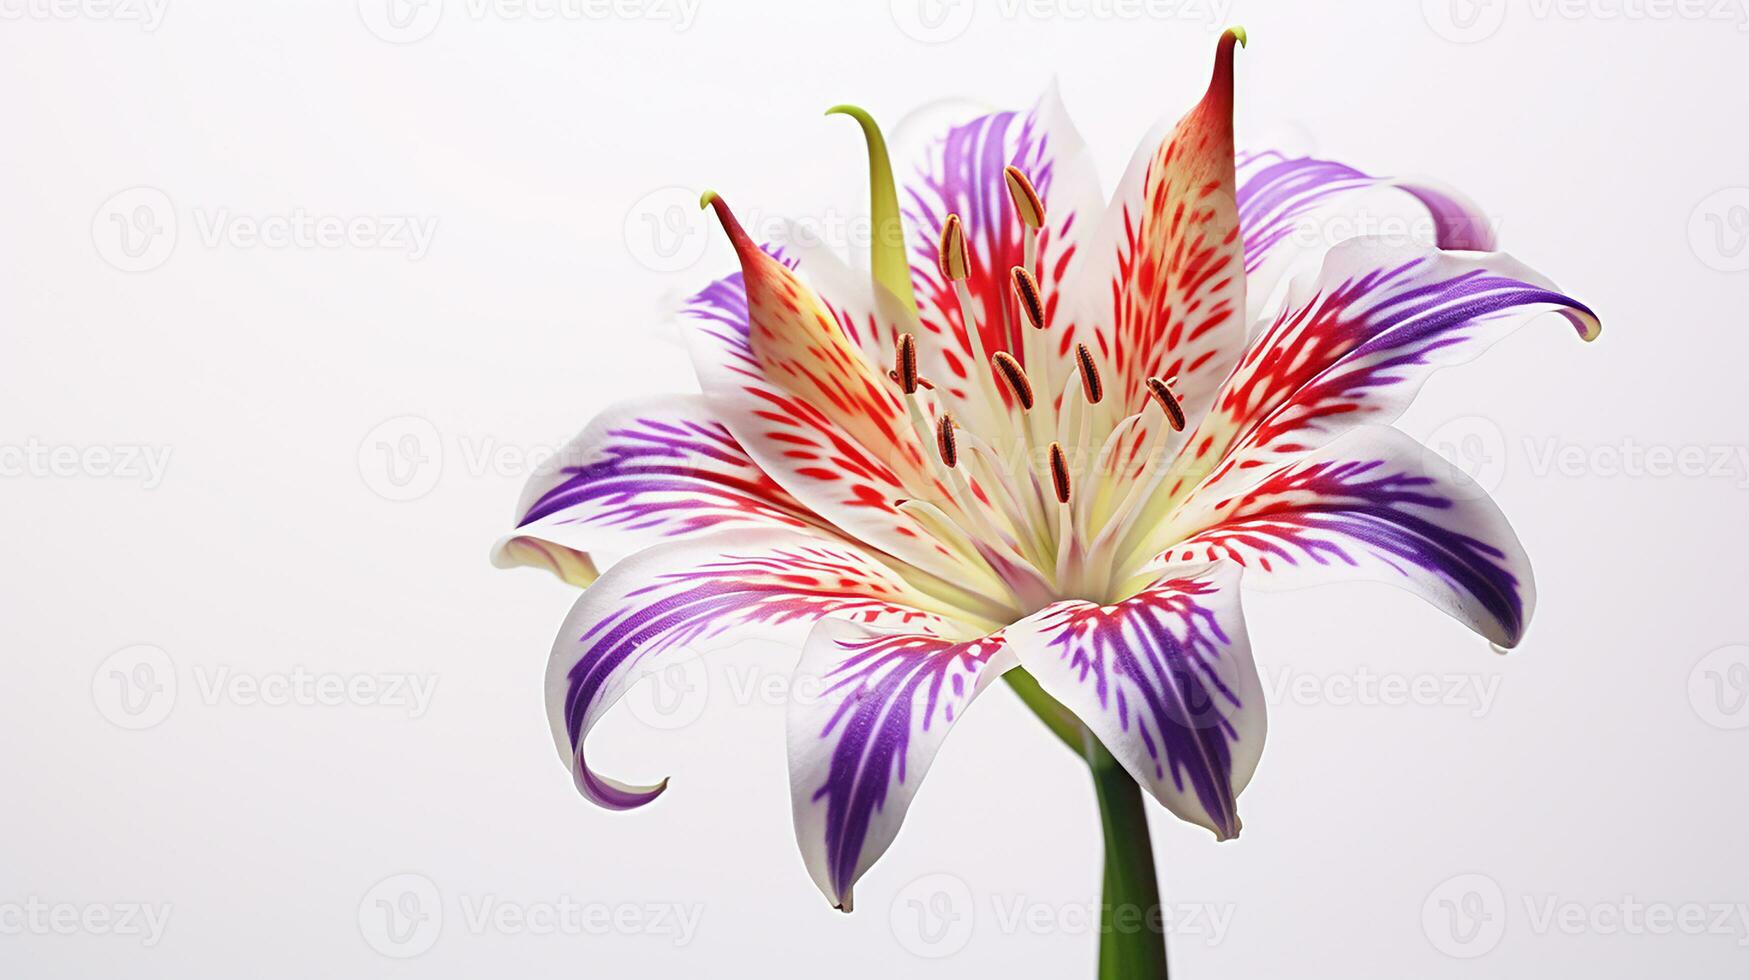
(1132, 933)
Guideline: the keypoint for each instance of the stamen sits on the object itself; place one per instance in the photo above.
(1026, 200)
(906, 368)
(1014, 378)
(952, 252)
(1091, 385)
(1168, 403)
(1026, 291)
(945, 441)
(1059, 473)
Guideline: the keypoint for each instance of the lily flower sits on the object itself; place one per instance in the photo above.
(1041, 436)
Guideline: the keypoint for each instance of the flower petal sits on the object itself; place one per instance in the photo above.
(779, 370)
(871, 708)
(960, 171)
(1356, 344)
(1163, 290)
(662, 601)
(1293, 210)
(1166, 681)
(1373, 505)
(644, 472)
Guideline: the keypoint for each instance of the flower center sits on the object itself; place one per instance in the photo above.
(1047, 496)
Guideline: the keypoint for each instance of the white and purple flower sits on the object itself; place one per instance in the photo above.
(1043, 434)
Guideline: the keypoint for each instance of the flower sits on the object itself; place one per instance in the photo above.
(1040, 435)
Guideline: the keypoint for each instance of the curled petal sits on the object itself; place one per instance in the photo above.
(871, 710)
(1165, 680)
(1293, 210)
(674, 598)
(1354, 346)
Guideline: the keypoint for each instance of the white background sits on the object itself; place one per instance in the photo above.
(1601, 765)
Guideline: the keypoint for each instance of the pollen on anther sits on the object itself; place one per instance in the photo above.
(1162, 393)
(1026, 200)
(1026, 291)
(905, 370)
(1059, 473)
(952, 252)
(946, 442)
(1091, 384)
(1013, 378)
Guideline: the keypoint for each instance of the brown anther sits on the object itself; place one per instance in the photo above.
(1168, 403)
(1091, 385)
(905, 371)
(1060, 473)
(1026, 200)
(1013, 378)
(1026, 291)
(952, 253)
(945, 441)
